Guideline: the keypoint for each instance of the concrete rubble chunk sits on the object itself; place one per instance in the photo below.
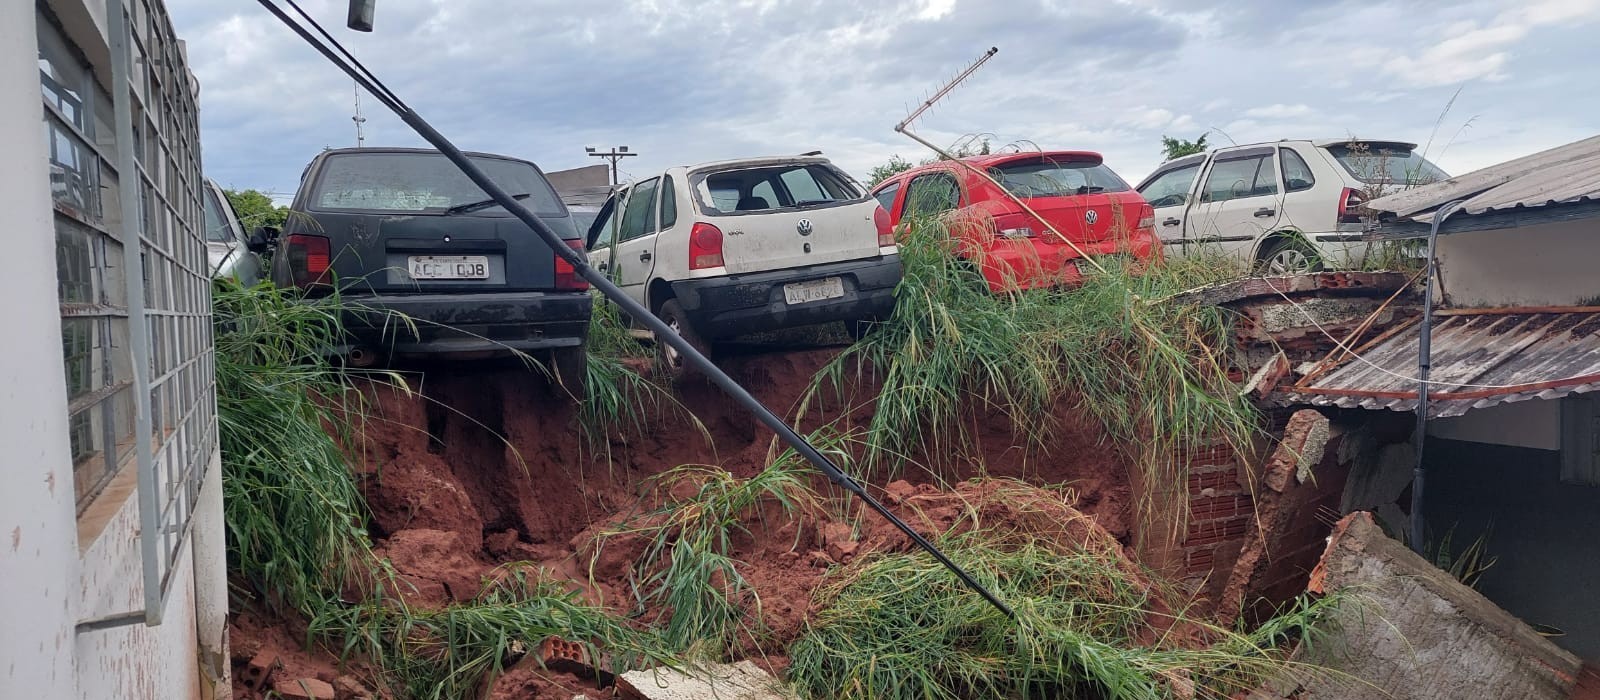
(1408, 625)
(740, 681)
(304, 689)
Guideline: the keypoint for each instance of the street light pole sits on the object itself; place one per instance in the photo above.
(615, 154)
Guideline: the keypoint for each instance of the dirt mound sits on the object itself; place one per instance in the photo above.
(471, 468)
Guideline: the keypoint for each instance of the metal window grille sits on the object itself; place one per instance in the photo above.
(134, 288)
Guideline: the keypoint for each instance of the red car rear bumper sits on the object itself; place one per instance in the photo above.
(1046, 261)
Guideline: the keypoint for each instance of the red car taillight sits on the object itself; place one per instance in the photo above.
(885, 232)
(1350, 202)
(309, 257)
(1147, 218)
(705, 247)
(566, 275)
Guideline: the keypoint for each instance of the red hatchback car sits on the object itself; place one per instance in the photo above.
(1072, 190)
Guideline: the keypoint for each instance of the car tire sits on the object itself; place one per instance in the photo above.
(569, 367)
(671, 361)
(1289, 255)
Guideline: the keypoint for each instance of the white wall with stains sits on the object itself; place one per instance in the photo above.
(38, 549)
(59, 568)
(1547, 265)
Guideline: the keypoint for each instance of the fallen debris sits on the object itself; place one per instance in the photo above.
(1409, 625)
(740, 681)
(304, 689)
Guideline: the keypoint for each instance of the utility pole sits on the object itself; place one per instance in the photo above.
(615, 154)
(361, 138)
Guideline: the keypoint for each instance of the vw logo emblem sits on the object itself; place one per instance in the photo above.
(804, 227)
(1091, 216)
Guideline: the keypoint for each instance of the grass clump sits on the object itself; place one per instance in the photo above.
(619, 397)
(1088, 626)
(1152, 373)
(294, 515)
(451, 652)
(687, 567)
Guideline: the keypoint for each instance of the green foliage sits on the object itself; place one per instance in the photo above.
(1177, 148)
(256, 209)
(448, 653)
(687, 565)
(895, 166)
(1151, 373)
(899, 626)
(618, 397)
(295, 519)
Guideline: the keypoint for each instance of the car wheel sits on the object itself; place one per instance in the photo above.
(675, 364)
(570, 368)
(1289, 255)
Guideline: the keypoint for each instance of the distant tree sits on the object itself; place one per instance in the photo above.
(1178, 148)
(256, 209)
(895, 166)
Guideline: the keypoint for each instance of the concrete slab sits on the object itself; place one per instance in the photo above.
(740, 681)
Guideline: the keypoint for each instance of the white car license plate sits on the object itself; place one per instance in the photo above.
(448, 267)
(815, 290)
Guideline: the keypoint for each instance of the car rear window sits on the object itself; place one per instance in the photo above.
(774, 187)
(1377, 163)
(1054, 178)
(422, 182)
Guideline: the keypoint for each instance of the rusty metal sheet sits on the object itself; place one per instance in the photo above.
(1479, 359)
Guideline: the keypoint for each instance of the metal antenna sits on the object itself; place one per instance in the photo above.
(361, 139)
(946, 90)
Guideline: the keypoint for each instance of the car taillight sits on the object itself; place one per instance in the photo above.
(1350, 203)
(566, 275)
(1147, 218)
(705, 247)
(309, 257)
(880, 218)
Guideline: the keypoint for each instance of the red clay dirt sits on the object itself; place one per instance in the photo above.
(477, 467)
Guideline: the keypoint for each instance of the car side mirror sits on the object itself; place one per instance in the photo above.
(263, 238)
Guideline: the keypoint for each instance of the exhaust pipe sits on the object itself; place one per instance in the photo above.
(361, 357)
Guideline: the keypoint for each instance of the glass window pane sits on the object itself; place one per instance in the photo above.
(638, 217)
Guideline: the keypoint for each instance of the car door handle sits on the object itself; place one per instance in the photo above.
(645, 256)
(602, 267)
(1169, 221)
(1266, 212)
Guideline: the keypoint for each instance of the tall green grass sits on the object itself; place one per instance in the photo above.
(898, 626)
(296, 520)
(1153, 374)
(687, 567)
(620, 398)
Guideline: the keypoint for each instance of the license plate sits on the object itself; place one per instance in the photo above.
(815, 290)
(448, 267)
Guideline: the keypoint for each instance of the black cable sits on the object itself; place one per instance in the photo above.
(353, 60)
(637, 311)
(1424, 368)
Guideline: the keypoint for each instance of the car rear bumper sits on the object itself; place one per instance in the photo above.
(723, 307)
(1032, 263)
(447, 323)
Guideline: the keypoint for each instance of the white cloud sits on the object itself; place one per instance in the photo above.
(1279, 111)
(1470, 50)
(1147, 118)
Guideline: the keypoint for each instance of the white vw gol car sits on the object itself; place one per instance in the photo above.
(745, 246)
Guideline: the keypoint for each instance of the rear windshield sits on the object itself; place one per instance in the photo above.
(776, 187)
(1053, 178)
(421, 183)
(1386, 164)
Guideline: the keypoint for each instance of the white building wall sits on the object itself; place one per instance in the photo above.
(1549, 265)
(38, 548)
(1534, 424)
(59, 568)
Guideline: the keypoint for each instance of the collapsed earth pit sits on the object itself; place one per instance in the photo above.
(471, 468)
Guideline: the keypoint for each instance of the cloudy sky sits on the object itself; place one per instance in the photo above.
(684, 81)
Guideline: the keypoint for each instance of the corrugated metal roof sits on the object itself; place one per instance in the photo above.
(1480, 358)
(1562, 175)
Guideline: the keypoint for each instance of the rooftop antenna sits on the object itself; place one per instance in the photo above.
(941, 94)
(361, 138)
